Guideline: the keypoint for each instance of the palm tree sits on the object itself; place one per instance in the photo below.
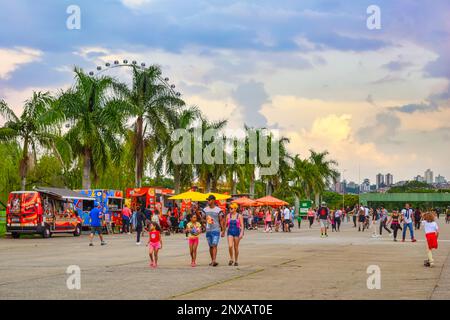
(303, 177)
(182, 173)
(96, 120)
(209, 174)
(152, 103)
(326, 172)
(34, 128)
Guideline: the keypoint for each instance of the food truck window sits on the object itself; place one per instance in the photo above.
(88, 205)
(115, 203)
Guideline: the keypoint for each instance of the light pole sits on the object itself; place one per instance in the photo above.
(343, 189)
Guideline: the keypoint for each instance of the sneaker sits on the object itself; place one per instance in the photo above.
(91, 244)
(426, 263)
(326, 235)
(431, 264)
(138, 243)
(403, 240)
(413, 240)
(103, 243)
(193, 264)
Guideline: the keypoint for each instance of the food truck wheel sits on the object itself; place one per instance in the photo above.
(46, 233)
(15, 235)
(77, 231)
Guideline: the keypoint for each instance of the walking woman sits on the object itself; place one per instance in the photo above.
(140, 221)
(338, 218)
(394, 220)
(311, 214)
(268, 220)
(235, 232)
(417, 219)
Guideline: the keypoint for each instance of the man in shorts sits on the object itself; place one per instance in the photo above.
(323, 214)
(215, 227)
(95, 216)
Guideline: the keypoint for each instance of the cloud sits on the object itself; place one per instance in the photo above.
(12, 59)
(135, 3)
(250, 97)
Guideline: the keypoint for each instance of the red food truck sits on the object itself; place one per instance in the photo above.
(150, 198)
(44, 211)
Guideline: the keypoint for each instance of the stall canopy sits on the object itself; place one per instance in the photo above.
(189, 195)
(271, 201)
(219, 196)
(245, 202)
(198, 196)
(63, 193)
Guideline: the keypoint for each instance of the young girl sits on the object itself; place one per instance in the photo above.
(154, 243)
(431, 233)
(333, 221)
(194, 229)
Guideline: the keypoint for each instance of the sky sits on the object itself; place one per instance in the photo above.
(377, 100)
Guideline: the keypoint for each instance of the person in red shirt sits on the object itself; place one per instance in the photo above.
(154, 244)
(126, 216)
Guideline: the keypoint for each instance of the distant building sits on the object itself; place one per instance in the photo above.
(389, 180)
(365, 186)
(429, 176)
(440, 179)
(419, 178)
(379, 180)
(352, 188)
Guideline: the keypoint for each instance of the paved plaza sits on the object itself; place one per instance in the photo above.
(297, 265)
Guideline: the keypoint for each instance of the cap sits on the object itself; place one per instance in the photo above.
(211, 197)
(324, 203)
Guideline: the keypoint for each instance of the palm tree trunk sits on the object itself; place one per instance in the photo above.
(139, 152)
(317, 199)
(252, 185)
(86, 182)
(23, 168)
(176, 179)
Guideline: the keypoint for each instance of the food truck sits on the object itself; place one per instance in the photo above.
(150, 198)
(111, 203)
(45, 211)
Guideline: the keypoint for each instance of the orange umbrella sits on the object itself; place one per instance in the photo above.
(245, 202)
(271, 201)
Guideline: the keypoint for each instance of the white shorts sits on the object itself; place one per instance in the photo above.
(323, 223)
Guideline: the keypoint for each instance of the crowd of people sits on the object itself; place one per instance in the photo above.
(215, 223)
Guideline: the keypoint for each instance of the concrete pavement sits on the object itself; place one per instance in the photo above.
(298, 265)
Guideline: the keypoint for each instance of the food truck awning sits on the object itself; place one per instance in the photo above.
(63, 193)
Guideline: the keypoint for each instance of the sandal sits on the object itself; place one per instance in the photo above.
(230, 263)
(236, 264)
(215, 264)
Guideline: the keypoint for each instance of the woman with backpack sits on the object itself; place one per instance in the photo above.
(235, 232)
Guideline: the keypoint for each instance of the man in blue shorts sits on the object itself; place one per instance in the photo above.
(95, 216)
(215, 227)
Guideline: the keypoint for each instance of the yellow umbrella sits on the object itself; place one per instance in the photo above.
(219, 196)
(189, 195)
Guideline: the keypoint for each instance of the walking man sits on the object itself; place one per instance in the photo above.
(95, 216)
(323, 215)
(408, 219)
(215, 227)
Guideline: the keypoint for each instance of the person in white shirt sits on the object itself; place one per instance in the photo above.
(286, 219)
(408, 220)
(431, 233)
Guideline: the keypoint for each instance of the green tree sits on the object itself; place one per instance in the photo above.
(33, 129)
(96, 120)
(327, 172)
(152, 103)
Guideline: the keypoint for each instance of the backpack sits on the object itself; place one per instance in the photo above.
(323, 213)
